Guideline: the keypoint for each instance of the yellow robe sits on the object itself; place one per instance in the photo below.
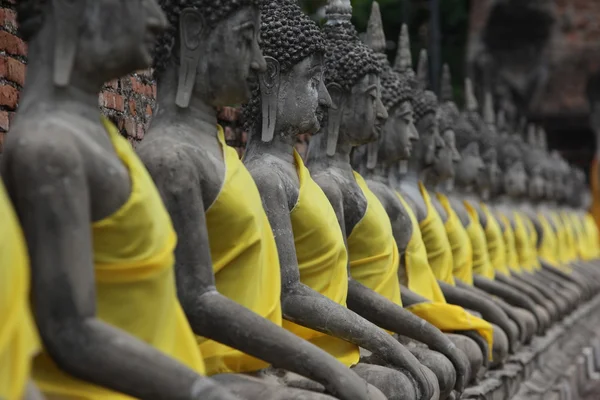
(322, 259)
(135, 281)
(244, 257)
(534, 261)
(19, 341)
(462, 251)
(511, 247)
(481, 261)
(421, 280)
(548, 247)
(522, 243)
(439, 252)
(495, 243)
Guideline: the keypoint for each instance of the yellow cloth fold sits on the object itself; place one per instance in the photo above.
(439, 252)
(548, 247)
(451, 318)
(244, 257)
(522, 243)
(534, 261)
(322, 259)
(593, 235)
(135, 281)
(562, 243)
(19, 341)
(372, 249)
(421, 280)
(510, 244)
(462, 252)
(481, 261)
(495, 243)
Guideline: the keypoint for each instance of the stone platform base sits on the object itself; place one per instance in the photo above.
(564, 364)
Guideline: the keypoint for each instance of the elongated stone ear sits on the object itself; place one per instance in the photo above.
(192, 29)
(269, 97)
(335, 116)
(67, 14)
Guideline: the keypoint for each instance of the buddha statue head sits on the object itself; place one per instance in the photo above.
(425, 105)
(352, 78)
(87, 43)
(511, 163)
(471, 166)
(533, 161)
(488, 179)
(399, 133)
(210, 50)
(290, 97)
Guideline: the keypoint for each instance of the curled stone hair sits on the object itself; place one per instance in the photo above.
(510, 151)
(425, 102)
(347, 59)
(287, 35)
(446, 119)
(213, 10)
(394, 89)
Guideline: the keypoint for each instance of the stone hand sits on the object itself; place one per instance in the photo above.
(207, 389)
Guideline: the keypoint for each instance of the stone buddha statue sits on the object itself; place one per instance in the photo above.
(100, 241)
(425, 172)
(472, 263)
(227, 264)
(289, 99)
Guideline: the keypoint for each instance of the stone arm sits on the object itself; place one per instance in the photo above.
(48, 183)
(217, 317)
(32, 392)
(511, 295)
(395, 318)
(468, 299)
(539, 283)
(574, 279)
(365, 302)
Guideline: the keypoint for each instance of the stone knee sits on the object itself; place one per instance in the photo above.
(392, 383)
(543, 319)
(471, 350)
(440, 366)
(253, 388)
(499, 348)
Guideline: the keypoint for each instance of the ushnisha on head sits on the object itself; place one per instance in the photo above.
(213, 45)
(101, 39)
(294, 47)
(352, 76)
(399, 132)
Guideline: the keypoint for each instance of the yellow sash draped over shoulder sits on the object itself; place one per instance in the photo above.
(511, 246)
(322, 259)
(534, 261)
(481, 261)
(571, 235)
(135, 281)
(446, 317)
(439, 252)
(244, 257)
(547, 248)
(372, 249)
(591, 230)
(19, 341)
(495, 243)
(562, 243)
(421, 279)
(522, 243)
(462, 251)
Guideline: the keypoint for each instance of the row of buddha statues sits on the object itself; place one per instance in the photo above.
(418, 251)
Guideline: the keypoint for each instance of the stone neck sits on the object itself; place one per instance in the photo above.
(317, 152)
(281, 146)
(199, 115)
